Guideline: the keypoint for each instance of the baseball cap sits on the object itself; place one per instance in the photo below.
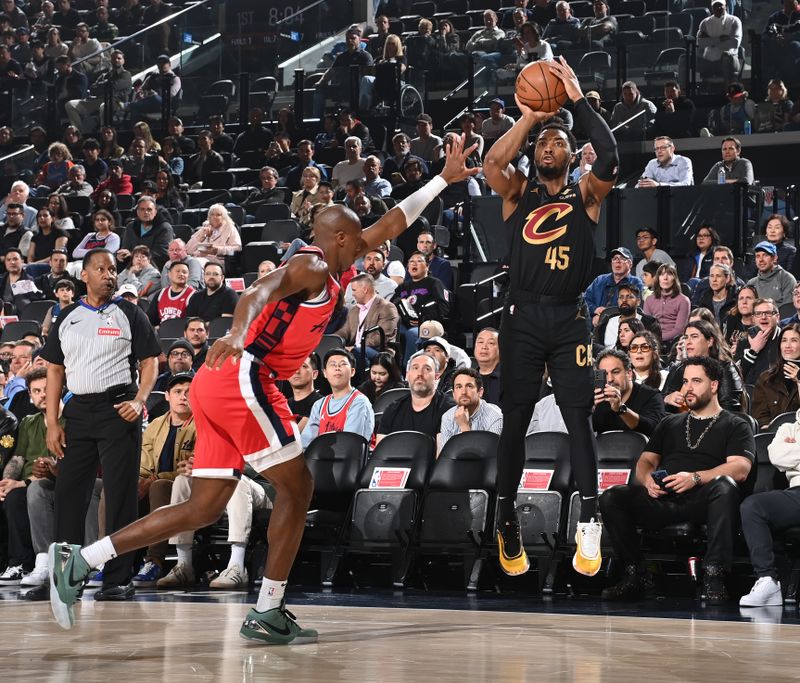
(430, 329)
(438, 341)
(23, 30)
(624, 252)
(179, 378)
(128, 289)
(181, 344)
(497, 100)
(426, 118)
(717, 2)
(767, 247)
(162, 58)
(593, 94)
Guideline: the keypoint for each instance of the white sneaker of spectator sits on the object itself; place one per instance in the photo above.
(11, 576)
(40, 574)
(765, 591)
(231, 578)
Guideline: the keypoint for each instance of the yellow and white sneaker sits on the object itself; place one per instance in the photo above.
(588, 558)
(513, 558)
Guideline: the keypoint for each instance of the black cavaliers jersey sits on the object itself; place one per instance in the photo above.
(551, 243)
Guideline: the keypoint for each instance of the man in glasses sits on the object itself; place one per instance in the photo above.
(624, 404)
(667, 168)
(772, 281)
(759, 350)
(180, 357)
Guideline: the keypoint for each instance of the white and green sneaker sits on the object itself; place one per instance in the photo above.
(68, 571)
(276, 627)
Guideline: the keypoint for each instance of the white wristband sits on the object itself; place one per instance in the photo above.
(413, 205)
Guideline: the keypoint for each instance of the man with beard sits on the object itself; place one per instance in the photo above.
(217, 300)
(374, 263)
(544, 321)
(196, 333)
(471, 412)
(690, 471)
(629, 300)
(623, 404)
(423, 408)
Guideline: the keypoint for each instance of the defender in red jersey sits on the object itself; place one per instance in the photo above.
(242, 417)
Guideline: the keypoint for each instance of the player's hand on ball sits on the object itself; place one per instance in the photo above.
(564, 71)
(225, 347)
(534, 117)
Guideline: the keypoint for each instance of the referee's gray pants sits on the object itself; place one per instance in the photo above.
(97, 437)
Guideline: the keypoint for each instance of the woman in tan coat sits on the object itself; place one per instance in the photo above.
(776, 390)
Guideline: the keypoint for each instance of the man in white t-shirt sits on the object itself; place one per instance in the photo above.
(425, 143)
(352, 168)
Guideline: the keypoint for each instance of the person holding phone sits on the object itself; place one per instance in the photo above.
(778, 389)
(619, 402)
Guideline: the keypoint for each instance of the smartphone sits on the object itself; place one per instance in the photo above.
(658, 478)
(599, 379)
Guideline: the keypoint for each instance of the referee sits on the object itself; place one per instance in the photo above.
(95, 345)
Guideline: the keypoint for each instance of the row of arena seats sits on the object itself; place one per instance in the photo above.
(445, 507)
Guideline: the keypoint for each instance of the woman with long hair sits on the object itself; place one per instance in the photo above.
(166, 194)
(646, 363)
(58, 207)
(704, 339)
(54, 47)
(776, 390)
(56, 171)
(777, 230)
(171, 154)
(720, 296)
(73, 139)
(628, 329)
(217, 237)
(393, 53)
(668, 304)
(740, 317)
(383, 376)
(109, 147)
(286, 124)
(47, 239)
(141, 130)
(103, 235)
(107, 200)
(699, 260)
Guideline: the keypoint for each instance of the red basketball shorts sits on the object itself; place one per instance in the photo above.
(241, 417)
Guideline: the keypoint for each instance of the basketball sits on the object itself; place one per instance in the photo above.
(540, 89)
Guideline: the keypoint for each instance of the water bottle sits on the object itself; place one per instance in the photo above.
(748, 127)
(721, 175)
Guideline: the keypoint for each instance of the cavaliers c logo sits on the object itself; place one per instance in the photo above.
(537, 218)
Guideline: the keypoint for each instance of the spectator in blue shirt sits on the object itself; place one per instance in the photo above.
(603, 291)
(667, 168)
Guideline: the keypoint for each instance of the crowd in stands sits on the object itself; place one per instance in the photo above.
(649, 315)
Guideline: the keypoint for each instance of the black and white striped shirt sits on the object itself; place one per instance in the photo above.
(99, 347)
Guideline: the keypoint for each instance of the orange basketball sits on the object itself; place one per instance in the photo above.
(540, 89)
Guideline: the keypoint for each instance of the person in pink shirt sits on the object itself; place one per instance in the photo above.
(668, 304)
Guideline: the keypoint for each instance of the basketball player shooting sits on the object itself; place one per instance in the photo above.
(551, 248)
(241, 416)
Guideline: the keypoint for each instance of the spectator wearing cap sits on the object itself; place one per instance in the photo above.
(425, 143)
(129, 293)
(632, 104)
(735, 168)
(730, 119)
(22, 51)
(440, 349)
(604, 289)
(772, 281)
(370, 311)
(718, 39)
(667, 168)
(675, 117)
(647, 243)
(345, 409)
(470, 412)
(148, 98)
(179, 363)
(65, 296)
(498, 122)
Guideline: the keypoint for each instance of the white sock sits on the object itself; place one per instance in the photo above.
(271, 594)
(99, 553)
(185, 554)
(237, 555)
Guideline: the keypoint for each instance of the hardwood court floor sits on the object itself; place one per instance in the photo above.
(175, 639)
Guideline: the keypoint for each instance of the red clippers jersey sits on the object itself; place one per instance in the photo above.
(285, 333)
(173, 305)
(335, 422)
